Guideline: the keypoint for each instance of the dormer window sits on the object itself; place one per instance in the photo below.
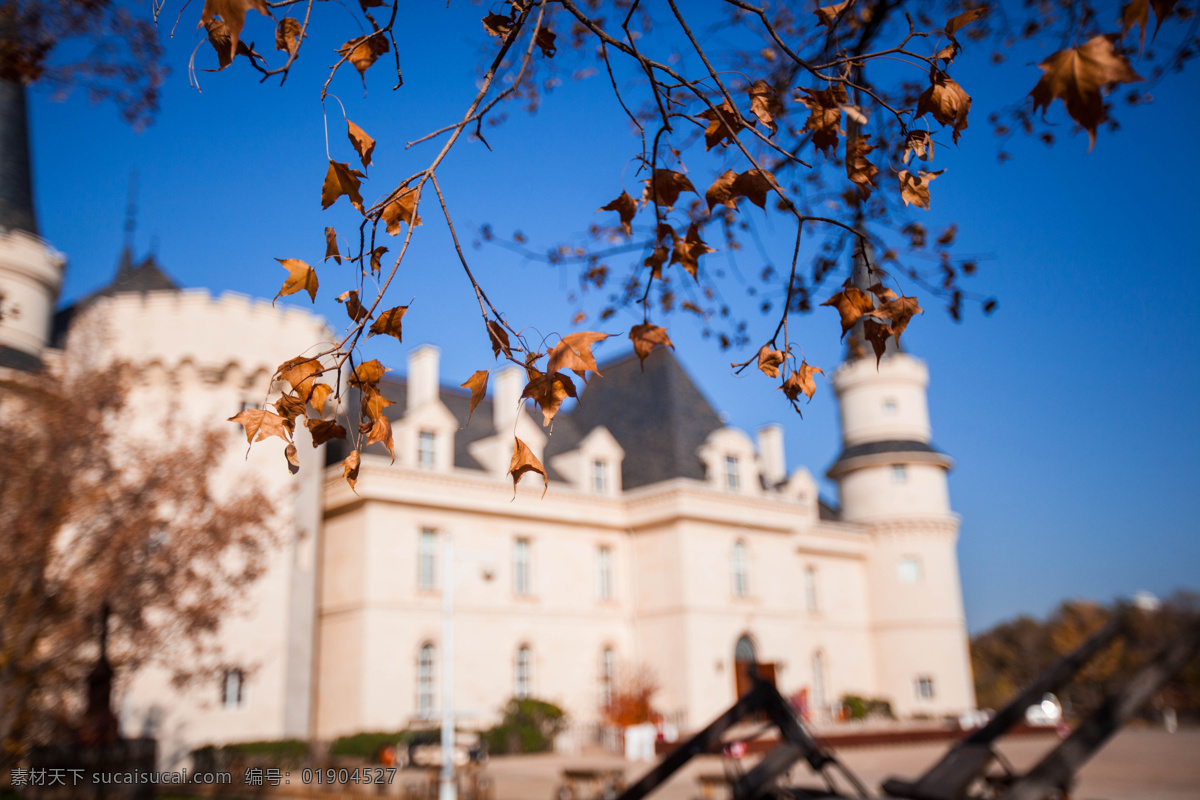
(426, 451)
(732, 478)
(600, 476)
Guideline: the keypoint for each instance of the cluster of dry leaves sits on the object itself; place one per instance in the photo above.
(839, 108)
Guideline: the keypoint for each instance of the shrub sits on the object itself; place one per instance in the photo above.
(864, 707)
(367, 745)
(529, 726)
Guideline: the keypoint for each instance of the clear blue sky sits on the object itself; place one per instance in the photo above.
(1073, 412)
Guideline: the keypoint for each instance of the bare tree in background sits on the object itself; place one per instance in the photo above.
(92, 513)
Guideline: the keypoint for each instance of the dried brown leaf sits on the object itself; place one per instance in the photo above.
(350, 469)
(860, 171)
(769, 361)
(403, 209)
(354, 309)
(368, 374)
(851, 303)
(1077, 75)
(914, 189)
(362, 54)
(646, 337)
(324, 430)
(825, 117)
(499, 339)
(549, 391)
(523, 461)
(721, 191)
(331, 248)
(377, 259)
(765, 105)
(801, 381)
(341, 180)
(626, 207)
(899, 311)
(233, 14)
(364, 145)
(318, 396)
(724, 122)
(389, 322)
(477, 383)
(877, 334)
(667, 186)
(574, 352)
(946, 102)
(287, 35)
(261, 424)
(829, 14)
(753, 184)
(687, 251)
(293, 458)
(544, 39)
(301, 277)
(381, 431)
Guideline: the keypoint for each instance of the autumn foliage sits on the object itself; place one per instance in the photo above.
(828, 120)
(632, 697)
(1008, 657)
(93, 513)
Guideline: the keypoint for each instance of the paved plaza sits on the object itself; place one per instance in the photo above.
(1136, 765)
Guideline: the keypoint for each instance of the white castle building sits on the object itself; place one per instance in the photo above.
(666, 539)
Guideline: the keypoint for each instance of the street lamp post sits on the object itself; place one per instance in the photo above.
(448, 788)
(448, 785)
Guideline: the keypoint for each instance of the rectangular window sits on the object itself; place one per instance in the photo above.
(425, 449)
(604, 577)
(909, 569)
(522, 583)
(427, 560)
(924, 687)
(731, 473)
(810, 590)
(599, 476)
(233, 688)
(899, 473)
(741, 577)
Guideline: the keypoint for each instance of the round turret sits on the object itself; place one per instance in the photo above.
(30, 271)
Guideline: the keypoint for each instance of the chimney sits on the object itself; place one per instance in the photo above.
(422, 375)
(772, 465)
(506, 394)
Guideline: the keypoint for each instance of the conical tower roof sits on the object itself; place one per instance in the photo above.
(16, 174)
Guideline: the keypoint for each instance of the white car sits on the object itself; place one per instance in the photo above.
(1047, 713)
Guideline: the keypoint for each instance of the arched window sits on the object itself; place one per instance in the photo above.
(818, 680)
(744, 651)
(523, 673)
(608, 674)
(425, 686)
(740, 569)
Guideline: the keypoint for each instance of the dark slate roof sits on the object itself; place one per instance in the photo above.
(893, 446)
(131, 278)
(826, 511)
(16, 180)
(11, 358)
(458, 401)
(658, 416)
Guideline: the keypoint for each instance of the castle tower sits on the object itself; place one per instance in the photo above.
(31, 272)
(893, 482)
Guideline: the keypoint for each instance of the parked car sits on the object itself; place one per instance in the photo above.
(425, 749)
(1047, 713)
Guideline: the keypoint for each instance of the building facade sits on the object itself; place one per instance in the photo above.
(667, 540)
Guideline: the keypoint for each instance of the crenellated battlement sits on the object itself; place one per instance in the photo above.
(213, 335)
